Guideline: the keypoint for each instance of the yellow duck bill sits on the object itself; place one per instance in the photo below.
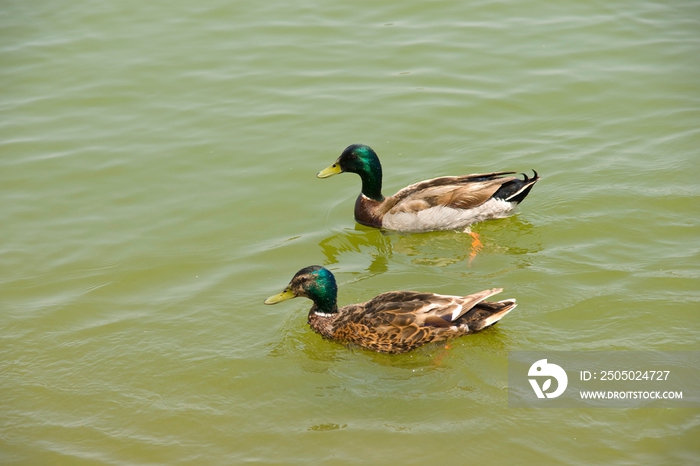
(330, 171)
(279, 297)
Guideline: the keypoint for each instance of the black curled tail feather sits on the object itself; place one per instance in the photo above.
(517, 190)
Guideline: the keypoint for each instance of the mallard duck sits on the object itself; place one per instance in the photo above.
(446, 203)
(392, 322)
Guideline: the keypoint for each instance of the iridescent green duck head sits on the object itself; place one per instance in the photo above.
(314, 282)
(360, 159)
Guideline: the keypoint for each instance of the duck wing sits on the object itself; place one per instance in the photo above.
(400, 309)
(399, 321)
(460, 192)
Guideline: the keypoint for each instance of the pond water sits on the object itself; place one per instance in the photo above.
(157, 183)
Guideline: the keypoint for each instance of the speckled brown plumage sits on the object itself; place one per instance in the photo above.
(392, 322)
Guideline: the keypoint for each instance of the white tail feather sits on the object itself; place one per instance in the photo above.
(492, 319)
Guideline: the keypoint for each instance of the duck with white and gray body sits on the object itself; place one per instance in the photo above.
(445, 203)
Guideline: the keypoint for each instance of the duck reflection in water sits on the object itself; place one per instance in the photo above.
(510, 236)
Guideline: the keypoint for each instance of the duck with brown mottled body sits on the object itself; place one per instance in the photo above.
(446, 203)
(392, 322)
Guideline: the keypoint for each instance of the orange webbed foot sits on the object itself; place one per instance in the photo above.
(477, 246)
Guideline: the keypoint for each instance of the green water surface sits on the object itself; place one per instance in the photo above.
(157, 182)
